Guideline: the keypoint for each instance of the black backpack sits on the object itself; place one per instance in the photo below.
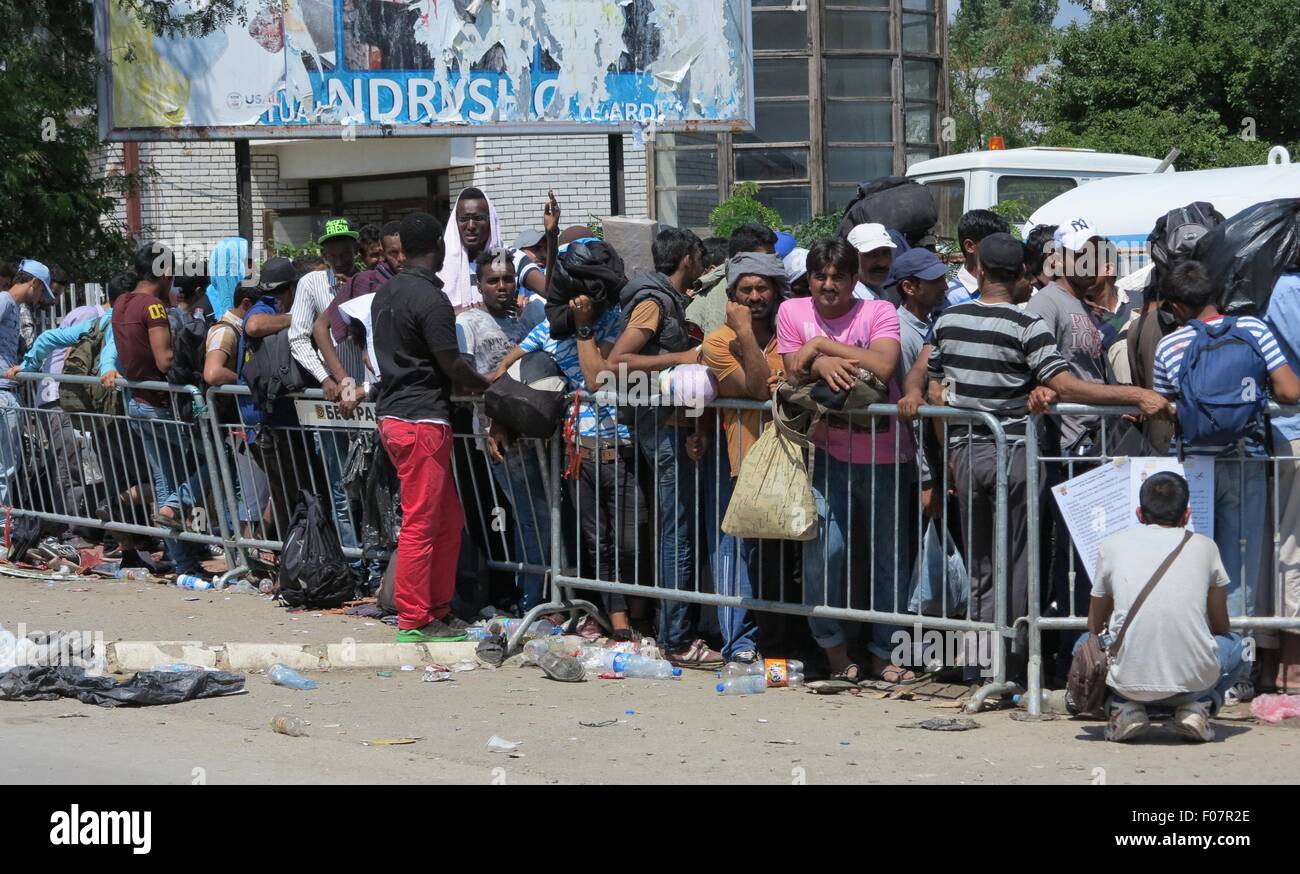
(189, 346)
(1176, 234)
(529, 400)
(271, 372)
(895, 202)
(313, 572)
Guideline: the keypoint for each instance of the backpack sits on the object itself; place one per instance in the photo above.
(313, 571)
(83, 360)
(1223, 384)
(271, 372)
(529, 400)
(189, 346)
(1176, 234)
(895, 202)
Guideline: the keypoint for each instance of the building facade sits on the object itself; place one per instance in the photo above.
(846, 91)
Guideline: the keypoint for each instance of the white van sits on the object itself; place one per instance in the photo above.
(1125, 210)
(1033, 176)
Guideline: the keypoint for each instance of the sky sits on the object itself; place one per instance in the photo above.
(1068, 12)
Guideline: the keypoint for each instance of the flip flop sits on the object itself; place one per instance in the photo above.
(491, 651)
(171, 523)
(564, 669)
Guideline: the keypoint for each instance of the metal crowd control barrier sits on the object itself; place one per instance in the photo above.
(1250, 487)
(94, 470)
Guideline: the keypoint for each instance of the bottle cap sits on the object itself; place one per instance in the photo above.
(677, 672)
(619, 663)
(722, 687)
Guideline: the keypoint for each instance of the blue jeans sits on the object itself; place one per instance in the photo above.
(1233, 668)
(733, 559)
(334, 446)
(1241, 511)
(664, 449)
(855, 505)
(166, 453)
(519, 477)
(11, 437)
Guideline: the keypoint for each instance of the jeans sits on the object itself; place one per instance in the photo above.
(664, 448)
(520, 479)
(61, 436)
(165, 451)
(334, 447)
(1240, 515)
(1233, 668)
(735, 560)
(11, 438)
(856, 505)
(610, 510)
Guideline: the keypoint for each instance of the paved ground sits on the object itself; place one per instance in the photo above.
(678, 732)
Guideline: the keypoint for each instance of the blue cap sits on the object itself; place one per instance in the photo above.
(619, 662)
(919, 263)
(40, 271)
(722, 687)
(677, 672)
(785, 244)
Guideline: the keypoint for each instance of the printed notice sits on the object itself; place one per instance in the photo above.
(1105, 500)
(1095, 505)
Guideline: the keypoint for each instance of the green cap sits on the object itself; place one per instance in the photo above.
(337, 227)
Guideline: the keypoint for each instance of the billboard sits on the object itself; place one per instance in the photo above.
(301, 68)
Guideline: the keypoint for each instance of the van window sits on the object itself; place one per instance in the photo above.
(1033, 191)
(950, 200)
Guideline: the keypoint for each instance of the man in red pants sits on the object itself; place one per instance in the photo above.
(419, 361)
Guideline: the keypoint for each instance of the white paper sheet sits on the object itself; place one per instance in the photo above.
(1095, 505)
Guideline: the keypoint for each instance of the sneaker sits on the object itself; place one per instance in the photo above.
(434, 632)
(697, 655)
(1241, 692)
(1127, 721)
(1192, 722)
(745, 656)
(455, 623)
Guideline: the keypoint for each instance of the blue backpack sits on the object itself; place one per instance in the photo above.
(1223, 385)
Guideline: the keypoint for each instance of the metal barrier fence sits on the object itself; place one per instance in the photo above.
(1248, 498)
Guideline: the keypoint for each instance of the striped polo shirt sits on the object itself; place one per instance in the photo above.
(989, 356)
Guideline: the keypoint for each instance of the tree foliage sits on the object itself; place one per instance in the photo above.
(57, 201)
(1145, 76)
(742, 208)
(996, 53)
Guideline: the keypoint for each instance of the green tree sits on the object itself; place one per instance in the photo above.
(57, 203)
(997, 50)
(1217, 79)
(742, 208)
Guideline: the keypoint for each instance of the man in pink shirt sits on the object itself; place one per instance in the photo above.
(862, 476)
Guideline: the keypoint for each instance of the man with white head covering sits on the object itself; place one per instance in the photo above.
(474, 229)
(875, 256)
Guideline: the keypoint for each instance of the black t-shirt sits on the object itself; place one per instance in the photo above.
(413, 320)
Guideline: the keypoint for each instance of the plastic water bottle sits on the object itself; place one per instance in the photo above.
(266, 586)
(597, 659)
(746, 684)
(176, 668)
(132, 573)
(283, 675)
(1052, 701)
(477, 632)
(641, 668)
(188, 581)
(294, 726)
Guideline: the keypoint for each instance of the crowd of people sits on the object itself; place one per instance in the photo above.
(410, 313)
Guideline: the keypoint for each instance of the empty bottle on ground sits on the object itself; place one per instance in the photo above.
(294, 726)
(188, 581)
(637, 667)
(743, 684)
(283, 675)
(1052, 701)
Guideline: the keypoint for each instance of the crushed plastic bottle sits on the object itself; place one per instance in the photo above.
(188, 581)
(746, 684)
(266, 587)
(132, 573)
(534, 650)
(283, 675)
(433, 675)
(293, 726)
(1052, 701)
(243, 587)
(177, 668)
(637, 667)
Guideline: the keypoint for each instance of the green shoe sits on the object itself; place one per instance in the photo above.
(434, 632)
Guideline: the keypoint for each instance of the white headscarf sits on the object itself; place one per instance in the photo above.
(455, 272)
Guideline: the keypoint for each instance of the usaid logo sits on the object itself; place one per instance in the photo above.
(77, 827)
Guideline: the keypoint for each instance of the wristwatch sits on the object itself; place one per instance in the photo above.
(584, 332)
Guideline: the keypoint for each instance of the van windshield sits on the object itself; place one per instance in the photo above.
(950, 200)
(1032, 191)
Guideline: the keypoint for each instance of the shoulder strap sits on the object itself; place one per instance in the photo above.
(1142, 596)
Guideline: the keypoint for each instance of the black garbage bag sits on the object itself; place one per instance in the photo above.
(45, 683)
(895, 202)
(1246, 254)
(371, 481)
(594, 269)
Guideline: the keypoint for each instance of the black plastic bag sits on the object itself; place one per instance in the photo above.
(895, 202)
(594, 269)
(45, 683)
(1246, 254)
(313, 571)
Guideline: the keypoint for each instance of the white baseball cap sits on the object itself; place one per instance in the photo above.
(870, 237)
(1075, 233)
(796, 264)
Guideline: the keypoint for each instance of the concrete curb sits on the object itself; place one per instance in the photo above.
(130, 656)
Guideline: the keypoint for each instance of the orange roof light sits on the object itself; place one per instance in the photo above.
(997, 144)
